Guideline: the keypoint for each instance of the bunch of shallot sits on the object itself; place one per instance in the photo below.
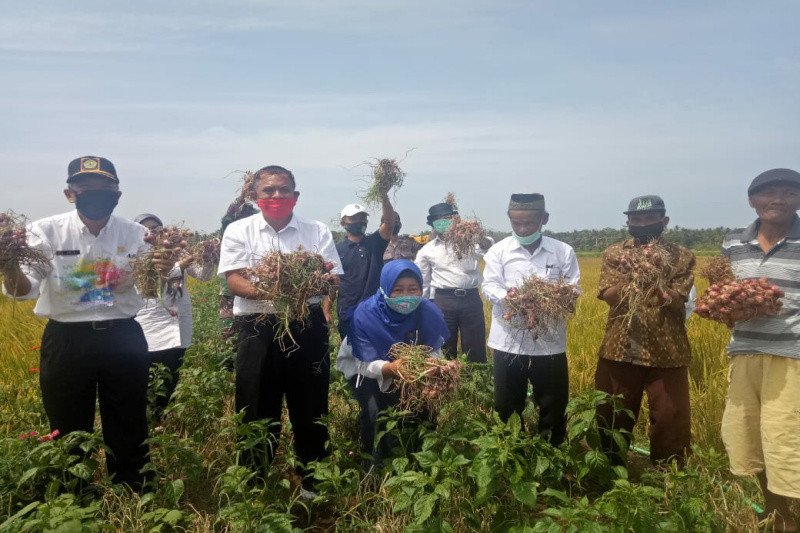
(14, 249)
(207, 252)
(645, 270)
(167, 244)
(289, 280)
(464, 236)
(539, 305)
(386, 175)
(730, 300)
(424, 382)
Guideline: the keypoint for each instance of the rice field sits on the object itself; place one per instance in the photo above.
(201, 489)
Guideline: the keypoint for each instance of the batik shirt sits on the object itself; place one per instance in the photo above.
(656, 335)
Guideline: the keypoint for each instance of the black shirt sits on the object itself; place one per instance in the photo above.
(362, 263)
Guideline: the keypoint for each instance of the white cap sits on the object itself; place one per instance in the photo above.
(352, 209)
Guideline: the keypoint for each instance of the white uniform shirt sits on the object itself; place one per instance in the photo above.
(88, 278)
(167, 323)
(442, 269)
(247, 240)
(507, 263)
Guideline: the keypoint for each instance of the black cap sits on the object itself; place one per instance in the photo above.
(91, 165)
(776, 175)
(526, 202)
(645, 204)
(440, 210)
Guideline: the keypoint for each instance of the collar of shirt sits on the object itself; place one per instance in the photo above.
(84, 229)
(544, 247)
(751, 232)
(263, 225)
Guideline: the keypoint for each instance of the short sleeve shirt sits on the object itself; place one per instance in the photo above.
(362, 263)
(656, 336)
(247, 240)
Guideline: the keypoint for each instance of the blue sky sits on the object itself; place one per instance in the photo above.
(589, 103)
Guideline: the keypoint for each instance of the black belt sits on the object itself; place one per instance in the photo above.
(97, 325)
(456, 292)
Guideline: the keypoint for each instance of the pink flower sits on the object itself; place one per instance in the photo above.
(33, 370)
(28, 435)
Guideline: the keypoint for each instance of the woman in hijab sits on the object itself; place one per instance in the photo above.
(397, 313)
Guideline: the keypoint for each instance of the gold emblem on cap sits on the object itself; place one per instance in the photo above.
(89, 164)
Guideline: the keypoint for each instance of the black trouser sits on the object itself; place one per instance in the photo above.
(550, 380)
(463, 312)
(265, 374)
(172, 358)
(373, 402)
(80, 363)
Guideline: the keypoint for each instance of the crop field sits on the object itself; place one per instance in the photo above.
(466, 471)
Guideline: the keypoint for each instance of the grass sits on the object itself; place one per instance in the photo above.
(473, 472)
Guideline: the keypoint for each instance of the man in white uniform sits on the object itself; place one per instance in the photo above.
(91, 346)
(519, 355)
(265, 372)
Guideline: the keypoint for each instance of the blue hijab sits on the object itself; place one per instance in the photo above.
(375, 327)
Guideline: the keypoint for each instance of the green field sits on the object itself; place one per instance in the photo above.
(470, 471)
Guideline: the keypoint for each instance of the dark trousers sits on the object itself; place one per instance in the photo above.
(548, 375)
(373, 402)
(667, 395)
(464, 315)
(78, 365)
(265, 374)
(172, 359)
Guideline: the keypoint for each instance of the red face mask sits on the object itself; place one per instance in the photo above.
(277, 208)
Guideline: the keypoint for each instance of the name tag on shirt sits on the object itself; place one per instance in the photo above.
(68, 252)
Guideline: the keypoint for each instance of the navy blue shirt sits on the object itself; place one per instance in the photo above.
(362, 263)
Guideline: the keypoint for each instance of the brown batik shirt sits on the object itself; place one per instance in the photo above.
(655, 336)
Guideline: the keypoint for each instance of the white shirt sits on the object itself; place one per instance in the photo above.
(249, 239)
(507, 263)
(348, 365)
(88, 278)
(167, 323)
(442, 269)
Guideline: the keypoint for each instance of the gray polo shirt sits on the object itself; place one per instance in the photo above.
(776, 335)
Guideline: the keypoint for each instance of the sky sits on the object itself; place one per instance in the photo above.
(589, 103)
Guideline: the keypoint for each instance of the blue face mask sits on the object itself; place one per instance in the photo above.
(442, 225)
(527, 240)
(402, 304)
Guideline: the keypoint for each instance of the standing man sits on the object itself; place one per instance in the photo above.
(362, 258)
(455, 285)
(266, 373)
(649, 353)
(91, 346)
(761, 423)
(519, 356)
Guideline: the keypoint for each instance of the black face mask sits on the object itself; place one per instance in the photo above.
(356, 228)
(397, 227)
(644, 234)
(96, 204)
